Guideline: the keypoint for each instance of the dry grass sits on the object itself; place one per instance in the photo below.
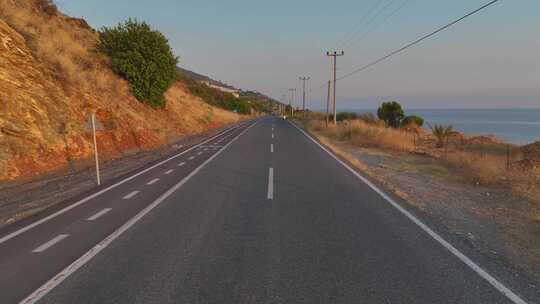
(366, 135)
(63, 45)
(480, 161)
(56, 78)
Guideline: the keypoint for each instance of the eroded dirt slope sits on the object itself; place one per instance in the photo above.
(51, 79)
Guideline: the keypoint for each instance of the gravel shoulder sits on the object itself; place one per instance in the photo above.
(496, 223)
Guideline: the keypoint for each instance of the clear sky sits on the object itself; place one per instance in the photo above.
(491, 60)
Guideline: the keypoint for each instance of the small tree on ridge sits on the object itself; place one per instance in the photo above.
(143, 57)
(392, 113)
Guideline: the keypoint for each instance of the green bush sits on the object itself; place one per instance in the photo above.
(413, 119)
(143, 57)
(341, 116)
(442, 133)
(392, 113)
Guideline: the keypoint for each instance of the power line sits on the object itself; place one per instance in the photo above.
(370, 21)
(417, 40)
(362, 19)
(378, 25)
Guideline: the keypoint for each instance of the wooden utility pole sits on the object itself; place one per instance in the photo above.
(304, 79)
(291, 101)
(282, 106)
(328, 104)
(335, 54)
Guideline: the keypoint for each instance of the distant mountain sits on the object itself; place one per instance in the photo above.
(263, 102)
(200, 77)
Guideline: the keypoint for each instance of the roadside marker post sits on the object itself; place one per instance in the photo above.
(92, 125)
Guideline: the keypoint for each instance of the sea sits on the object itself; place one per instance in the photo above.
(518, 126)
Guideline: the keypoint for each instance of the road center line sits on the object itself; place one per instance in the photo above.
(271, 148)
(132, 194)
(99, 214)
(271, 183)
(191, 158)
(169, 171)
(181, 164)
(472, 265)
(155, 180)
(86, 257)
(199, 153)
(272, 135)
(50, 243)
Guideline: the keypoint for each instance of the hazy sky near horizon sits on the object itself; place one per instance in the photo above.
(491, 60)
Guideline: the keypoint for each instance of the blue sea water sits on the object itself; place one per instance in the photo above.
(519, 126)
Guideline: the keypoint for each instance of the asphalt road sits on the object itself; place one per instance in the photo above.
(260, 214)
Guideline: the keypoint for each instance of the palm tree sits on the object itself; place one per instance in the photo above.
(442, 133)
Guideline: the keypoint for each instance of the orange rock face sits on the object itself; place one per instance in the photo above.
(51, 80)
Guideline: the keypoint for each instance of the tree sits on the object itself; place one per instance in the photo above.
(341, 116)
(392, 113)
(143, 57)
(413, 119)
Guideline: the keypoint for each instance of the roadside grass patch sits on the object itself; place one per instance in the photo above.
(478, 160)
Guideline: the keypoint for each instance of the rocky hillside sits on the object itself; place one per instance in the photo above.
(51, 79)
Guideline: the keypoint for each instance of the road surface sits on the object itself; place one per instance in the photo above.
(258, 214)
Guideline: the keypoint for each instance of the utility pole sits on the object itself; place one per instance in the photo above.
(335, 54)
(291, 101)
(328, 104)
(304, 79)
(282, 105)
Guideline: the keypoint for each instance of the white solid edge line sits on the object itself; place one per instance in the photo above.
(155, 180)
(481, 272)
(84, 200)
(131, 194)
(270, 183)
(99, 214)
(50, 243)
(85, 258)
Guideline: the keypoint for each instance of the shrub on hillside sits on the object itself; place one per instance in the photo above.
(392, 113)
(413, 120)
(216, 97)
(143, 57)
(341, 116)
(442, 133)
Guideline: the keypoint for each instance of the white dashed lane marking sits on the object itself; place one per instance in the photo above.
(155, 180)
(169, 171)
(132, 194)
(181, 164)
(50, 243)
(271, 183)
(99, 214)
